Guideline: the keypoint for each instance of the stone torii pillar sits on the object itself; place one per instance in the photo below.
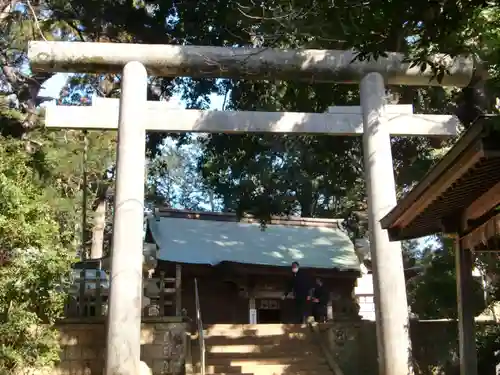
(389, 286)
(123, 337)
(321, 65)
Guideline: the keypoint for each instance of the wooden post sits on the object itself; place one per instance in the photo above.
(98, 295)
(81, 294)
(178, 290)
(71, 309)
(252, 311)
(161, 301)
(466, 328)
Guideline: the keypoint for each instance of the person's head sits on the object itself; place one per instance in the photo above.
(295, 267)
(319, 282)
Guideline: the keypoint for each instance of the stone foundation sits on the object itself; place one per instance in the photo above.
(434, 346)
(163, 347)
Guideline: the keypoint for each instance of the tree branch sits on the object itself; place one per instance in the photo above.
(37, 24)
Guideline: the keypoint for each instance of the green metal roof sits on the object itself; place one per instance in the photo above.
(198, 241)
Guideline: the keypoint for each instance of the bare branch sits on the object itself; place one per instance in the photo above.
(78, 31)
(37, 24)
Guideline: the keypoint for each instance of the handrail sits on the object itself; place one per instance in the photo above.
(201, 337)
(330, 358)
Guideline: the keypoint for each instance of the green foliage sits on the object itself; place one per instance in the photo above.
(34, 264)
(488, 348)
(432, 294)
(42, 183)
(318, 175)
(173, 179)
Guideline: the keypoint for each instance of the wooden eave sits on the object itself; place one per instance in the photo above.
(462, 187)
(245, 269)
(485, 236)
(232, 217)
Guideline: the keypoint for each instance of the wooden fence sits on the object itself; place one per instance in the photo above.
(88, 296)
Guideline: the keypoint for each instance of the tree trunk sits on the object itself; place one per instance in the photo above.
(212, 200)
(97, 248)
(307, 204)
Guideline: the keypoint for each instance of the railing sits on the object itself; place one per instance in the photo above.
(88, 295)
(201, 337)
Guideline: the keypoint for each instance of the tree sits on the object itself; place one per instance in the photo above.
(41, 180)
(432, 293)
(95, 154)
(174, 181)
(34, 267)
(323, 176)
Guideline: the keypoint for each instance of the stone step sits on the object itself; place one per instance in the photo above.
(226, 369)
(257, 330)
(238, 359)
(258, 368)
(262, 371)
(263, 349)
(286, 339)
(286, 348)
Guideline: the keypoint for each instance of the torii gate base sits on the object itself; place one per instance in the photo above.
(124, 318)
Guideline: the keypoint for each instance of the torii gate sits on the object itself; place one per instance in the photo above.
(133, 115)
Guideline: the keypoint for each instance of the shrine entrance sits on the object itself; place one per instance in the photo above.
(269, 311)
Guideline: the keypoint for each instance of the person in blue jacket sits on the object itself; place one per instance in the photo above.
(301, 287)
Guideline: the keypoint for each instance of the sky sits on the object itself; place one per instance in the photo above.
(53, 86)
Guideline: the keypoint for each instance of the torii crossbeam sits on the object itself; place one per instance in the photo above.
(348, 121)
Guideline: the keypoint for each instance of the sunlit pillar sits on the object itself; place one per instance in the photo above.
(124, 317)
(391, 308)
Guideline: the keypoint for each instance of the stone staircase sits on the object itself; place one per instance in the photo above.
(263, 349)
